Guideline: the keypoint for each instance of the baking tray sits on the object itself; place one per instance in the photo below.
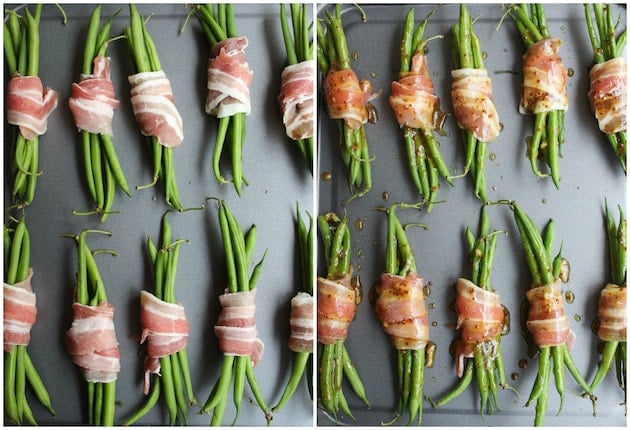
(279, 179)
(589, 174)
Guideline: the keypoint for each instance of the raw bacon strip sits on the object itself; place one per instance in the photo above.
(608, 94)
(93, 101)
(336, 307)
(412, 96)
(236, 329)
(479, 313)
(612, 313)
(29, 104)
(401, 310)
(229, 78)
(547, 321)
(301, 321)
(20, 312)
(165, 330)
(154, 109)
(92, 343)
(473, 106)
(296, 99)
(347, 98)
(544, 78)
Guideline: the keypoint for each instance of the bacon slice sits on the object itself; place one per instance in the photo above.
(608, 94)
(544, 78)
(336, 307)
(479, 312)
(296, 99)
(29, 104)
(401, 310)
(165, 330)
(153, 106)
(92, 343)
(546, 320)
(412, 96)
(612, 313)
(301, 321)
(229, 78)
(473, 106)
(347, 98)
(20, 312)
(236, 329)
(93, 101)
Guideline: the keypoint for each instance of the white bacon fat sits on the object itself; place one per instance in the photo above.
(546, 320)
(301, 322)
(229, 78)
(608, 95)
(20, 312)
(612, 313)
(153, 106)
(296, 99)
(29, 104)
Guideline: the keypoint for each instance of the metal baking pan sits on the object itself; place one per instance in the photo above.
(279, 179)
(589, 174)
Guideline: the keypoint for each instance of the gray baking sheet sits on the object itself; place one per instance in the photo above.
(590, 173)
(278, 177)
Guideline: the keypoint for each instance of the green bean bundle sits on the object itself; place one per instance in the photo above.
(544, 297)
(18, 367)
(399, 296)
(101, 165)
(219, 26)
(480, 359)
(90, 292)
(302, 361)
(548, 133)
(299, 47)
(346, 101)
(172, 381)
(613, 303)
(235, 368)
(145, 59)
(337, 297)
(608, 48)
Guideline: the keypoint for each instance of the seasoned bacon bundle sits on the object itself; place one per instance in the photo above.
(301, 321)
(93, 101)
(336, 307)
(412, 96)
(547, 321)
(347, 98)
(479, 312)
(165, 330)
(473, 106)
(92, 343)
(401, 310)
(544, 78)
(296, 99)
(229, 78)
(154, 109)
(20, 313)
(612, 313)
(608, 94)
(29, 104)
(236, 329)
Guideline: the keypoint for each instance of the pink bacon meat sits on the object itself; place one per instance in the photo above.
(153, 106)
(20, 313)
(301, 321)
(29, 104)
(347, 98)
(229, 78)
(297, 99)
(473, 106)
(412, 97)
(401, 310)
(612, 314)
(236, 328)
(93, 101)
(164, 329)
(336, 307)
(546, 320)
(608, 94)
(91, 341)
(544, 78)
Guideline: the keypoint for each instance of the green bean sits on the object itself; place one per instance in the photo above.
(154, 396)
(37, 385)
(10, 401)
